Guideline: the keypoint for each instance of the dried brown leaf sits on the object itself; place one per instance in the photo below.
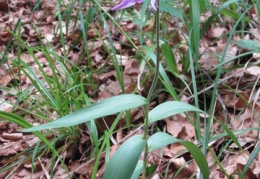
(12, 136)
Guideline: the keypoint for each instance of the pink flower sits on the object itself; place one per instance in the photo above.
(128, 3)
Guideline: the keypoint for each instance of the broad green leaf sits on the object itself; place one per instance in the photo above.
(102, 108)
(151, 169)
(138, 169)
(171, 10)
(161, 139)
(169, 57)
(124, 161)
(170, 108)
(248, 44)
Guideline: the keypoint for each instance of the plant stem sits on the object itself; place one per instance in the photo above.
(155, 79)
(145, 137)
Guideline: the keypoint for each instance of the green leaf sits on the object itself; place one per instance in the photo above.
(161, 139)
(165, 78)
(198, 157)
(151, 169)
(138, 169)
(250, 160)
(23, 123)
(226, 4)
(171, 10)
(102, 108)
(124, 161)
(170, 108)
(248, 44)
(169, 57)
(234, 15)
(231, 135)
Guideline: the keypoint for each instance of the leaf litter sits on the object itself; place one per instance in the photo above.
(40, 26)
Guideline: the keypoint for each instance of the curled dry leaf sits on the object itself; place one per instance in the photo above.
(131, 67)
(5, 106)
(256, 56)
(253, 70)
(179, 125)
(12, 136)
(237, 102)
(216, 32)
(187, 170)
(256, 170)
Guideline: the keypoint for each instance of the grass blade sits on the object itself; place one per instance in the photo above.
(249, 162)
(169, 57)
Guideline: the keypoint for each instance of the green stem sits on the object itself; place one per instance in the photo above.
(146, 126)
(156, 75)
(155, 79)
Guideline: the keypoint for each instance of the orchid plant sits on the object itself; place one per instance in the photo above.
(128, 3)
(125, 4)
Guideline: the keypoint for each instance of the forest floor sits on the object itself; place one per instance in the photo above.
(39, 29)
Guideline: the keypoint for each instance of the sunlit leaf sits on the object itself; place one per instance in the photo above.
(170, 108)
(169, 57)
(138, 169)
(124, 161)
(161, 139)
(102, 108)
(248, 44)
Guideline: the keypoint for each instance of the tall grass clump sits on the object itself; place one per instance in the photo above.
(53, 93)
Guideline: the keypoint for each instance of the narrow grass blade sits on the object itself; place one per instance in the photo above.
(23, 123)
(102, 108)
(10, 41)
(249, 162)
(231, 135)
(170, 108)
(257, 6)
(38, 84)
(195, 29)
(165, 79)
(124, 161)
(169, 57)
(161, 139)
(116, 65)
(219, 72)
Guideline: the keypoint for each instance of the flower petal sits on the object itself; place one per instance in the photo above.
(139, 1)
(153, 5)
(124, 4)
